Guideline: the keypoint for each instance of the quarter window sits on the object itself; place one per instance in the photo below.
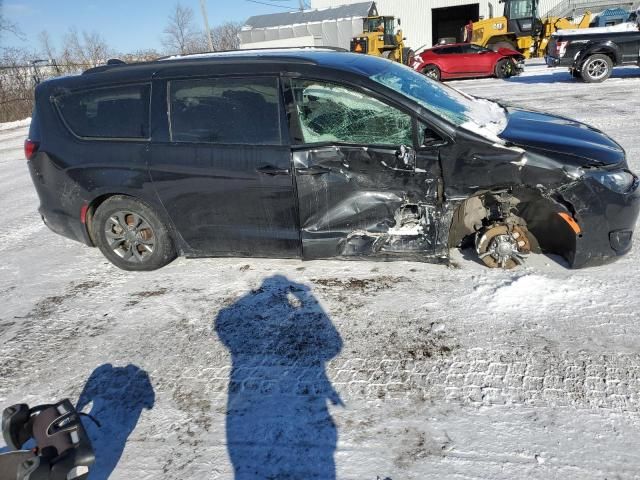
(335, 114)
(115, 112)
(225, 111)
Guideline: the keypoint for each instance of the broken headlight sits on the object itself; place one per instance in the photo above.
(619, 181)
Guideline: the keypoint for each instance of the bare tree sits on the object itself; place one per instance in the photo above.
(225, 36)
(16, 84)
(86, 50)
(140, 56)
(7, 26)
(45, 43)
(180, 35)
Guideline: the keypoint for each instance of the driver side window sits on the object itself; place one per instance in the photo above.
(330, 113)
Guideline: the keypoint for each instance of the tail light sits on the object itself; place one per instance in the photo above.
(561, 48)
(30, 148)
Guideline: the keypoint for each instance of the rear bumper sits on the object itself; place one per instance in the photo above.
(552, 61)
(60, 212)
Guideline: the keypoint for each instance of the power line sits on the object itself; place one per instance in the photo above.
(269, 4)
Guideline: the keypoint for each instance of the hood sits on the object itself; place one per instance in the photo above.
(551, 134)
(509, 52)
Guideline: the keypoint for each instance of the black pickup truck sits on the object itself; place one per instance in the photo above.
(592, 53)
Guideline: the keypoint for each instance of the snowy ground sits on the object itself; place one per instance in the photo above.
(369, 370)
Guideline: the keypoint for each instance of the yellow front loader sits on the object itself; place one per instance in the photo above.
(379, 38)
(521, 29)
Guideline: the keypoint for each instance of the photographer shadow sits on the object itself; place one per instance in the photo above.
(278, 421)
(117, 396)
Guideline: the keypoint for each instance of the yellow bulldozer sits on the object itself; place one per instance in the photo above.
(520, 28)
(380, 38)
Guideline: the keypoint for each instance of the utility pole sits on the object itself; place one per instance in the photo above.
(203, 7)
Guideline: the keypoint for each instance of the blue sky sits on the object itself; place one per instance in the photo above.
(126, 25)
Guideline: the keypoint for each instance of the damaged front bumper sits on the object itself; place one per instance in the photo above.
(606, 219)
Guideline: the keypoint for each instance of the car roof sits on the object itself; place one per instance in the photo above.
(330, 58)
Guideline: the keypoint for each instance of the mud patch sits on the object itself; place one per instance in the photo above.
(48, 305)
(146, 294)
(372, 284)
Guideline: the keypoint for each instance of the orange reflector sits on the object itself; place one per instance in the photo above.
(571, 222)
(358, 48)
(83, 213)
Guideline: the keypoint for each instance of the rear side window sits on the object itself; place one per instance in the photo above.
(114, 112)
(448, 50)
(225, 111)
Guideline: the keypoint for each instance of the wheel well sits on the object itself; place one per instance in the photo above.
(527, 207)
(502, 39)
(605, 51)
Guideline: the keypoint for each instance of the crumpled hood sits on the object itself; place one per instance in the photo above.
(550, 133)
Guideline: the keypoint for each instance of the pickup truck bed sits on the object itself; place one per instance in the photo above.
(592, 55)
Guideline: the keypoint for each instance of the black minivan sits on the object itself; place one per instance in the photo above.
(316, 153)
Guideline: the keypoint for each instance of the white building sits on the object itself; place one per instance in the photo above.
(425, 21)
(334, 26)
(333, 22)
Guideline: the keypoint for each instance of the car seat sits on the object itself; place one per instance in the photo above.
(62, 448)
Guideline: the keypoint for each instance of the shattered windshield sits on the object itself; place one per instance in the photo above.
(481, 116)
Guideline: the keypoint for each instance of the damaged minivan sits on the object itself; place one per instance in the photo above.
(315, 153)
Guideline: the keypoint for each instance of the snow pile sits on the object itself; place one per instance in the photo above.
(16, 124)
(621, 27)
(534, 293)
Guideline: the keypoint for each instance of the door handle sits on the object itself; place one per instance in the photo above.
(313, 170)
(271, 170)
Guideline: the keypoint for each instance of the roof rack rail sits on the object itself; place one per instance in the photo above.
(116, 62)
(248, 50)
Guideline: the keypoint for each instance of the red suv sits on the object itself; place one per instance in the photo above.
(467, 60)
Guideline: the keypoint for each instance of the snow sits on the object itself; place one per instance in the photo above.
(352, 370)
(621, 27)
(18, 123)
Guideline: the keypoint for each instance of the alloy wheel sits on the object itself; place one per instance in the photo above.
(130, 236)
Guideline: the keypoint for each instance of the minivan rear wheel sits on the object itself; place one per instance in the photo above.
(131, 236)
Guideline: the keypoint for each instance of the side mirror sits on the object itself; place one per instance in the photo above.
(431, 138)
(399, 22)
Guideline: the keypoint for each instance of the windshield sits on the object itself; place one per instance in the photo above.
(481, 116)
(520, 9)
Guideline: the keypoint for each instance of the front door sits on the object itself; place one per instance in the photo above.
(362, 188)
(224, 172)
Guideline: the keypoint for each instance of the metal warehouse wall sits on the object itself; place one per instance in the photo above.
(416, 14)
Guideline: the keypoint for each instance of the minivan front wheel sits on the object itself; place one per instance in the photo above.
(131, 235)
(503, 246)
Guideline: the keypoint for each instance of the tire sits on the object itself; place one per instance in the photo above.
(407, 56)
(503, 44)
(131, 236)
(387, 54)
(597, 68)
(432, 72)
(504, 68)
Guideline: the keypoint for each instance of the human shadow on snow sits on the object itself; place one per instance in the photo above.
(117, 396)
(278, 421)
